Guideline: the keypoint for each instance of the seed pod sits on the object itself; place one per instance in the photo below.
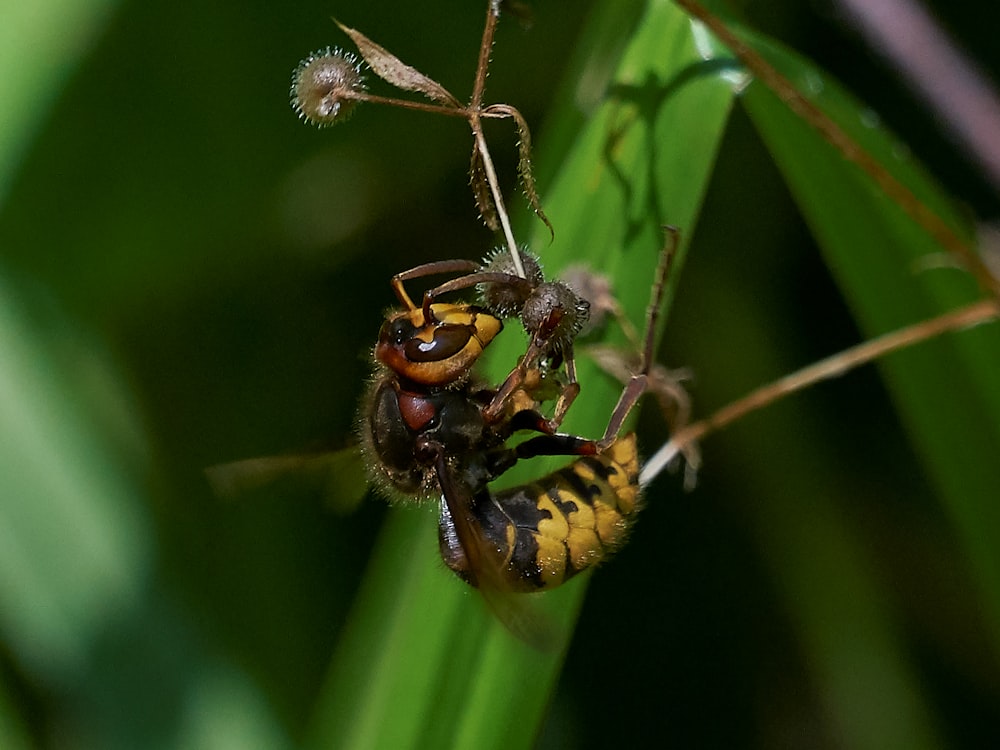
(323, 86)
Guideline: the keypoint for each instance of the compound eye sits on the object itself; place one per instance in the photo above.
(448, 340)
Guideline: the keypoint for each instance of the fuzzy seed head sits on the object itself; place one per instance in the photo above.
(323, 85)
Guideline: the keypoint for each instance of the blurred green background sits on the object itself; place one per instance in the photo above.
(188, 275)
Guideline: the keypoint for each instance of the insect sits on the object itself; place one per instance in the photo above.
(430, 428)
(552, 313)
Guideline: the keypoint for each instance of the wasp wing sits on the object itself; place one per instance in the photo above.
(483, 562)
(339, 475)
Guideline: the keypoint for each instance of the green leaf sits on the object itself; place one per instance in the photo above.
(74, 547)
(13, 733)
(39, 43)
(947, 391)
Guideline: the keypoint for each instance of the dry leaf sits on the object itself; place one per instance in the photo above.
(391, 69)
(481, 190)
(524, 160)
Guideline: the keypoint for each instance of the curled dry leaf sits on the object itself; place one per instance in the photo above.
(524, 159)
(391, 69)
(481, 190)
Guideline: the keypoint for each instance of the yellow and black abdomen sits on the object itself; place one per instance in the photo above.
(557, 526)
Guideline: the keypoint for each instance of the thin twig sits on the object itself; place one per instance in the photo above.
(475, 122)
(434, 109)
(485, 48)
(491, 178)
(833, 366)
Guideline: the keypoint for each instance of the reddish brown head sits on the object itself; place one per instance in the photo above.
(439, 352)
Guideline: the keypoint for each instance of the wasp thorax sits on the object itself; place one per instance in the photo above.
(555, 312)
(324, 86)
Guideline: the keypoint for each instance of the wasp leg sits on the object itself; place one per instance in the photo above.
(559, 444)
(538, 348)
(517, 379)
(501, 459)
(428, 269)
(498, 460)
(569, 391)
(527, 419)
(631, 394)
(494, 411)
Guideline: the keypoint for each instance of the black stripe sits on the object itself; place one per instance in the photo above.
(586, 493)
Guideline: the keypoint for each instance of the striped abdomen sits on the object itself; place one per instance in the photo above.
(555, 527)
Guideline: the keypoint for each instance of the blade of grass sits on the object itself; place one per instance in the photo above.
(846, 621)
(13, 733)
(39, 45)
(73, 546)
(76, 545)
(81, 614)
(641, 160)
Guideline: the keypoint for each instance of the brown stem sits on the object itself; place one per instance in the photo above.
(491, 178)
(434, 109)
(485, 47)
(833, 366)
(474, 115)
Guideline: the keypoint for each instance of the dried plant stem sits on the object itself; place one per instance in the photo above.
(474, 114)
(485, 48)
(434, 109)
(491, 178)
(492, 113)
(852, 151)
(980, 312)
